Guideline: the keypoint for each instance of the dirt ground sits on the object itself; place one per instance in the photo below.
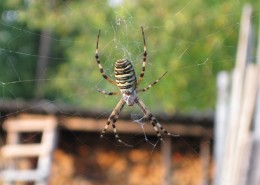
(85, 159)
(89, 162)
(134, 168)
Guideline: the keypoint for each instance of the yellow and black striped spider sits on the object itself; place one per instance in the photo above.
(127, 82)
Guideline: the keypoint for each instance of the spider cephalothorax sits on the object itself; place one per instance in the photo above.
(127, 82)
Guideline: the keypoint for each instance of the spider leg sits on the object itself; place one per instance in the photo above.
(113, 118)
(152, 120)
(108, 93)
(114, 115)
(152, 84)
(99, 64)
(144, 60)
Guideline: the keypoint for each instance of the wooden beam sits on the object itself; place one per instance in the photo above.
(25, 150)
(125, 126)
(31, 125)
(205, 160)
(166, 161)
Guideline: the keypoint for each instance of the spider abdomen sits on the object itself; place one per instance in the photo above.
(125, 76)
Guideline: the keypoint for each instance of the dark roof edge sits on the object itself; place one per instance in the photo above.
(13, 107)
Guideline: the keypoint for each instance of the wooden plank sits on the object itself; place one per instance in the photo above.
(30, 125)
(22, 175)
(166, 161)
(47, 125)
(205, 160)
(123, 126)
(25, 150)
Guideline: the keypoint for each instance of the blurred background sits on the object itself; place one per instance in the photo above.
(48, 47)
(47, 67)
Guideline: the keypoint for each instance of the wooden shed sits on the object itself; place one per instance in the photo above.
(82, 157)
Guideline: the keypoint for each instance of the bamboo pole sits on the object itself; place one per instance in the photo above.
(254, 175)
(243, 144)
(227, 172)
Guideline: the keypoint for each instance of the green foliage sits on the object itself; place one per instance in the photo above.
(14, 66)
(192, 40)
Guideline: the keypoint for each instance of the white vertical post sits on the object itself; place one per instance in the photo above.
(220, 126)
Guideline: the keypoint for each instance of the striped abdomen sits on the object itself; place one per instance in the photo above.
(125, 76)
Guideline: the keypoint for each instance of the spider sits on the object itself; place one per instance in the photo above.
(127, 82)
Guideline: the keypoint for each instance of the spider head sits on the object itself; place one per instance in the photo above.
(129, 98)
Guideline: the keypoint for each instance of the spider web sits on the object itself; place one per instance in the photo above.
(122, 39)
(126, 42)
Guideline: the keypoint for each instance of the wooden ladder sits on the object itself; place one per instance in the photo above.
(15, 150)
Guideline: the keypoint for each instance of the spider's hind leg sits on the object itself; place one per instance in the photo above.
(154, 121)
(156, 125)
(113, 118)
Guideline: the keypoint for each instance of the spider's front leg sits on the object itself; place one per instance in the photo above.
(144, 60)
(113, 118)
(101, 70)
